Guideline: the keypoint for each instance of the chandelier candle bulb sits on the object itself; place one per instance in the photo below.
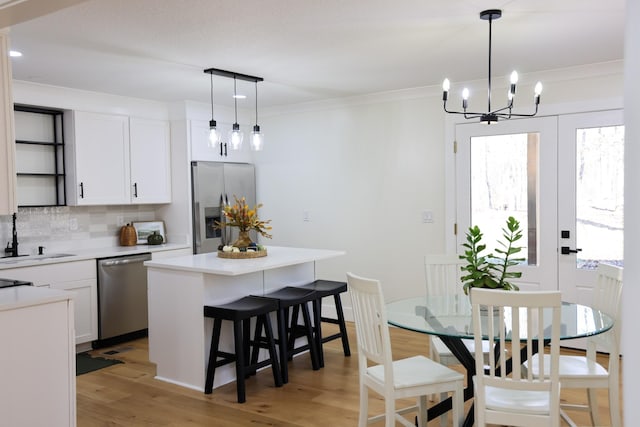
(445, 89)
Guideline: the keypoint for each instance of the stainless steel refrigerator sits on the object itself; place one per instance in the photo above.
(214, 185)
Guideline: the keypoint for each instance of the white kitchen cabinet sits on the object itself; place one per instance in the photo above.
(200, 149)
(116, 160)
(150, 161)
(77, 276)
(97, 155)
(37, 361)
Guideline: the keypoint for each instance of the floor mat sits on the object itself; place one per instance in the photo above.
(86, 363)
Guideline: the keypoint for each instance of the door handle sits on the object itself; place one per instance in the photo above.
(566, 250)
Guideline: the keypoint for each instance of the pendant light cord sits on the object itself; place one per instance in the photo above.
(235, 98)
(256, 103)
(212, 115)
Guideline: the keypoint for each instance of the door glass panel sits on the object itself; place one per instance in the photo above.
(599, 195)
(504, 181)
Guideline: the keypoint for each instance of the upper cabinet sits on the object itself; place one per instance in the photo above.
(149, 148)
(200, 149)
(113, 159)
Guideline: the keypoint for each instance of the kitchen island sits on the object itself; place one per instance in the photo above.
(178, 288)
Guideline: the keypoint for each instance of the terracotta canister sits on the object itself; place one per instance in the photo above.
(128, 235)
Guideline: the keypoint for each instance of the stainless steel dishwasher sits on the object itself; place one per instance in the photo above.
(122, 298)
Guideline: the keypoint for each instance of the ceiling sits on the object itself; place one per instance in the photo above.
(306, 50)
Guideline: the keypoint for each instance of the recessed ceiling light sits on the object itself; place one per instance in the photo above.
(15, 53)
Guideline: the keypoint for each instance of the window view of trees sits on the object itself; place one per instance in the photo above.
(600, 195)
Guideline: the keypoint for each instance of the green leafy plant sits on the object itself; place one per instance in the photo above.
(491, 271)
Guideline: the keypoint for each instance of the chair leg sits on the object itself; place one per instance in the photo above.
(292, 331)
(313, 350)
(422, 411)
(458, 405)
(363, 418)
(389, 411)
(275, 366)
(257, 340)
(317, 327)
(213, 356)
(343, 327)
(240, 358)
(282, 344)
(593, 406)
(246, 346)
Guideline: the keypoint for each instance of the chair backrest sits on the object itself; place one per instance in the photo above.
(442, 274)
(370, 317)
(607, 297)
(529, 318)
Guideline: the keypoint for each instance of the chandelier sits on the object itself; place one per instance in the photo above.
(490, 115)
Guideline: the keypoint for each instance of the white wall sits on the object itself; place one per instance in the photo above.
(631, 291)
(364, 172)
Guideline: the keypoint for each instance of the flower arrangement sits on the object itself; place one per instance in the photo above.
(240, 215)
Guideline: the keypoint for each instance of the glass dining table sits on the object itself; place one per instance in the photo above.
(449, 317)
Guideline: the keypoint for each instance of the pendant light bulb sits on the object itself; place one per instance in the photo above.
(235, 136)
(214, 134)
(257, 137)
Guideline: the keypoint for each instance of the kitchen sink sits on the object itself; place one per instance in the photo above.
(26, 258)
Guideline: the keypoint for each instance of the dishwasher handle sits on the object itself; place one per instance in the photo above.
(124, 261)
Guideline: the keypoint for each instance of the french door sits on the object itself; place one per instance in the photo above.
(562, 178)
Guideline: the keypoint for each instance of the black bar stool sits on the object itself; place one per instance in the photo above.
(296, 298)
(326, 288)
(240, 313)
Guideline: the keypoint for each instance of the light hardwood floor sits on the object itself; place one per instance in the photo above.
(128, 395)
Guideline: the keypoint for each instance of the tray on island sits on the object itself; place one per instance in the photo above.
(242, 255)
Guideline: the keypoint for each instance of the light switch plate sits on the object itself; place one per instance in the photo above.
(427, 217)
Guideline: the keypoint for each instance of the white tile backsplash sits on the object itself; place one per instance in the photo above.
(71, 226)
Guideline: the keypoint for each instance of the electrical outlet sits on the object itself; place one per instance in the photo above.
(306, 217)
(73, 224)
(120, 220)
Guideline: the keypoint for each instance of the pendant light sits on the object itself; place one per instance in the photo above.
(235, 135)
(501, 113)
(257, 137)
(214, 134)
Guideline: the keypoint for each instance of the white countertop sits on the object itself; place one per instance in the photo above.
(80, 254)
(25, 296)
(277, 256)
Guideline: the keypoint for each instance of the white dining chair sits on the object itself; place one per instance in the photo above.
(583, 371)
(442, 274)
(523, 318)
(416, 376)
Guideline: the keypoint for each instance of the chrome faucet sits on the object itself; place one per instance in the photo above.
(13, 249)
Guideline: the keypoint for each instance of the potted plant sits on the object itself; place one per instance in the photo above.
(492, 270)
